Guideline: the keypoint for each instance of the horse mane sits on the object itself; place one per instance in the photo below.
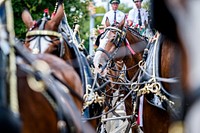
(137, 34)
(162, 20)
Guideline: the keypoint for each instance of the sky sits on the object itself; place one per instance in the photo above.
(127, 2)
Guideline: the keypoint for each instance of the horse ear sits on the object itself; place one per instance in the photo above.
(121, 24)
(27, 18)
(55, 21)
(107, 22)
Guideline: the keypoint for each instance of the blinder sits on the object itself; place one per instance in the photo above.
(103, 34)
(117, 39)
(119, 36)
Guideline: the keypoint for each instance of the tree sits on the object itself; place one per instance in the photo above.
(76, 11)
(100, 10)
(123, 7)
(146, 5)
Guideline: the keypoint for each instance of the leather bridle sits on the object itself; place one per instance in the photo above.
(42, 33)
(117, 41)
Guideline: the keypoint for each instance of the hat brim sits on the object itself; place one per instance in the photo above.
(114, 2)
(137, 0)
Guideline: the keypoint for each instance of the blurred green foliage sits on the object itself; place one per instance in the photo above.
(146, 5)
(99, 10)
(76, 11)
(124, 8)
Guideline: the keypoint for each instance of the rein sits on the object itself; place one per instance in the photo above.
(54, 94)
(112, 109)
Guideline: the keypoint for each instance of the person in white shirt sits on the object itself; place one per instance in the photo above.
(138, 16)
(114, 15)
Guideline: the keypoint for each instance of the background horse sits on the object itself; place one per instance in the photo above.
(152, 118)
(39, 89)
(188, 39)
(117, 44)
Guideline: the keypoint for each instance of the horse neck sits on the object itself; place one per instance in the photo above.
(68, 55)
(131, 62)
(172, 63)
(132, 59)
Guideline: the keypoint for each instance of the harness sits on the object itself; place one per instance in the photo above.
(119, 38)
(9, 106)
(42, 33)
(155, 93)
(55, 92)
(55, 95)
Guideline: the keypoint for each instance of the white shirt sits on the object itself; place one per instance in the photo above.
(119, 17)
(133, 16)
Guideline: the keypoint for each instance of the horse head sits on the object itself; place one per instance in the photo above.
(109, 41)
(43, 36)
(118, 43)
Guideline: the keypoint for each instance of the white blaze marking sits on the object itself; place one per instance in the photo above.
(43, 42)
(97, 56)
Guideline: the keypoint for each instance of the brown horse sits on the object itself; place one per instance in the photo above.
(113, 48)
(121, 43)
(55, 36)
(35, 89)
(35, 100)
(35, 107)
(188, 39)
(51, 120)
(44, 37)
(163, 67)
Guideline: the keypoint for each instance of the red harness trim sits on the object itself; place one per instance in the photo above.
(129, 47)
